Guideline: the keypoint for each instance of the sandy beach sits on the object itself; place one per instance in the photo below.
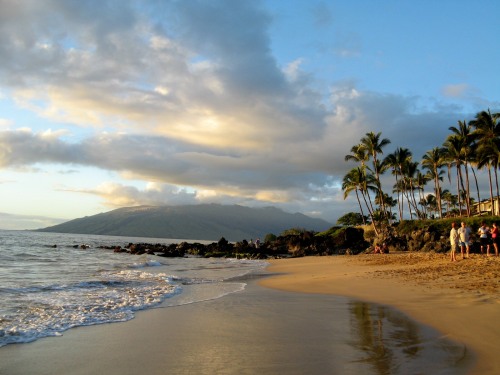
(310, 318)
(257, 331)
(460, 299)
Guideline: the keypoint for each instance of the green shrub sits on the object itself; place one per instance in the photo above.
(443, 226)
(270, 237)
(329, 232)
(293, 232)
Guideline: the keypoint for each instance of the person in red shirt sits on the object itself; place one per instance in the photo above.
(495, 237)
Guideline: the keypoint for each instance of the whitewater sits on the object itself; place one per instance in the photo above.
(50, 283)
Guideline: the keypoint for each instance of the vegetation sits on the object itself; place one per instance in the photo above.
(270, 237)
(469, 147)
(352, 219)
(443, 226)
(293, 232)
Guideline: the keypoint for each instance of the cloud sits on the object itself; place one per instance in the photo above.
(322, 14)
(118, 195)
(26, 222)
(187, 95)
(282, 169)
(457, 90)
(5, 123)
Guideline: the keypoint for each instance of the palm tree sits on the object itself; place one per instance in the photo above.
(410, 170)
(484, 157)
(356, 180)
(467, 138)
(454, 146)
(434, 160)
(396, 161)
(420, 181)
(429, 202)
(374, 146)
(446, 196)
(390, 202)
(487, 129)
(358, 154)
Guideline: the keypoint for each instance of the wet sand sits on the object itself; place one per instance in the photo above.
(460, 299)
(257, 331)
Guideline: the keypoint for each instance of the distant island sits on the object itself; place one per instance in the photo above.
(192, 222)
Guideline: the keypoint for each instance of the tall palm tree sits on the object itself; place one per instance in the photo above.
(446, 196)
(487, 129)
(430, 203)
(410, 172)
(434, 160)
(467, 138)
(454, 146)
(421, 180)
(389, 202)
(495, 159)
(374, 145)
(358, 181)
(358, 154)
(397, 161)
(352, 182)
(484, 159)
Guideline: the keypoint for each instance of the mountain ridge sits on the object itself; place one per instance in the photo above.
(191, 222)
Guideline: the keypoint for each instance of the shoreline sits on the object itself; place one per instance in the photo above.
(459, 299)
(267, 331)
(257, 331)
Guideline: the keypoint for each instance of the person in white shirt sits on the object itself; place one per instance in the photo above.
(454, 238)
(483, 232)
(464, 233)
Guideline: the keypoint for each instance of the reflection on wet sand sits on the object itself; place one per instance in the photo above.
(391, 343)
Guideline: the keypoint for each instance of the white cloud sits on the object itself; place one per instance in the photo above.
(26, 222)
(189, 94)
(5, 123)
(292, 69)
(456, 91)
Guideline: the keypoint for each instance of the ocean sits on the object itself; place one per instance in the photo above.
(49, 283)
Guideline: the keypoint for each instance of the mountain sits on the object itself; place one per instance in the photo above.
(191, 222)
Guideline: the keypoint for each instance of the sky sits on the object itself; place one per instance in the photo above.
(109, 104)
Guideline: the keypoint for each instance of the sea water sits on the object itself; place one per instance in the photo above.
(49, 282)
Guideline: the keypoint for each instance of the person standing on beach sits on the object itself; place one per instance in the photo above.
(495, 237)
(464, 232)
(483, 232)
(454, 237)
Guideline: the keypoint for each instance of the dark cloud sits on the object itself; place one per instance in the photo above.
(189, 93)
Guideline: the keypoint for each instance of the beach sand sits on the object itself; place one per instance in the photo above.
(269, 331)
(461, 299)
(257, 331)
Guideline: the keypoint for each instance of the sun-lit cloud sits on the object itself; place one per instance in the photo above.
(5, 123)
(189, 100)
(457, 90)
(14, 222)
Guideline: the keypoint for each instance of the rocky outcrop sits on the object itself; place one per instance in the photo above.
(422, 239)
(341, 241)
(336, 241)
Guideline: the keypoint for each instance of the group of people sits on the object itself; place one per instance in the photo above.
(461, 237)
(381, 249)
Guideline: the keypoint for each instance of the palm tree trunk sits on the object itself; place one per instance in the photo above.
(370, 212)
(491, 187)
(496, 199)
(400, 200)
(467, 190)
(412, 189)
(438, 193)
(360, 207)
(459, 178)
(477, 188)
